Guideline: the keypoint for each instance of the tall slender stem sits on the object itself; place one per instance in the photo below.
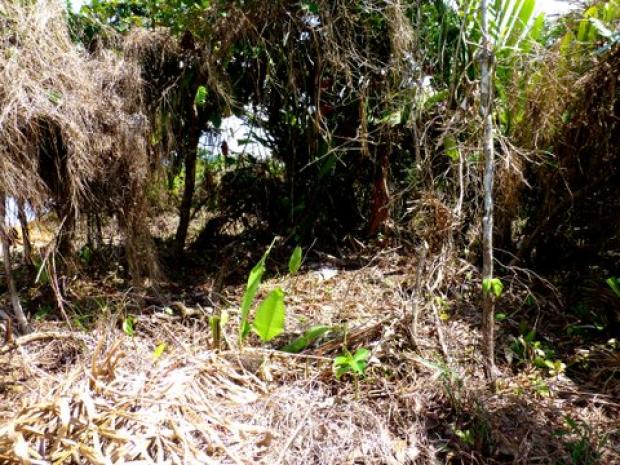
(486, 104)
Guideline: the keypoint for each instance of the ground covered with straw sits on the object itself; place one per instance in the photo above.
(166, 395)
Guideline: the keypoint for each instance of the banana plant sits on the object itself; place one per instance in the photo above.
(514, 29)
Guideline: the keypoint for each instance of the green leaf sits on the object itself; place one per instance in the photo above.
(614, 284)
(361, 355)
(600, 27)
(451, 148)
(42, 312)
(492, 285)
(86, 255)
(307, 338)
(535, 33)
(201, 96)
(294, 262)
(159, 350)
(54, 96)
(248, 297)
(254, 280)
(355, 364)
(128, 326)
(269, 320)
(311, 7)
(430, 100)
(525, 14)
(465, 436)
(342, 365)
(391, 119)
(500, 316)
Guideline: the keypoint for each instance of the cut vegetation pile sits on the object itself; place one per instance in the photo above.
(72, 129)
(574, 107)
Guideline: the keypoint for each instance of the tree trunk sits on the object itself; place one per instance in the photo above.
(23, 222)
(380, 204)
(66, 237)
(191, 151)
(94, 233)
(486, 102)
(6, 252)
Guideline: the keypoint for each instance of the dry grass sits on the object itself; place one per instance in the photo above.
(105, 398)
(193, 406)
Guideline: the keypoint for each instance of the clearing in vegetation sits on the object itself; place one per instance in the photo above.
(423, 269)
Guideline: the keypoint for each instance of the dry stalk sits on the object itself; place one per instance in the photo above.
(415, 295)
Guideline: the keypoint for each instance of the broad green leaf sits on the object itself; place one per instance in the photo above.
(391, 119)
(525, 12)
(307, 338)
(343, 364)
(520, 23)
(584, 30)
(248, 297)
(341, 369)
(254, 280)
(269, 320)
(535, 33)
(294, 262)
(566, 43)
(498, 287)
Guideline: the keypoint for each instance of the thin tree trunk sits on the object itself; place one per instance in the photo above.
(380, 211)
(94, 233)
(66, 238)
(486, 100)
(23, 222)
(6, 252)
(188, 189)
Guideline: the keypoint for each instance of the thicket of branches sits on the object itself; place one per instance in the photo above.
(369, 110)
